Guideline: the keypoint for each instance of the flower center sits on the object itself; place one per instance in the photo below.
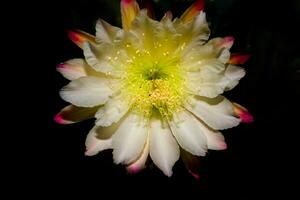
(153, 84)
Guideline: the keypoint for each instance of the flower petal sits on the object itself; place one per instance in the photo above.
(217, 113)
(238, 59)
(129, 139)
(72, 114)
(139, 164)
(73, 69)
(242, 113)
(97, 60)
(215, 140)
(111, 112)
(233, 74)
(192, 11)
(129, 10)
(86, 91)
(105, 32)
(188, 132)
(195, 33)
(191, 162)
(99, 139)
(164, 149)
(79, 37)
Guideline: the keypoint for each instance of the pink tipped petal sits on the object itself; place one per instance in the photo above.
(192, 11)
(129, 10)
(237, 59)
(139, 164)
(196, 176)
(60, 120)
(60, 65)
(228, 42)
(73, 69)
(150, 11)
(192, 163)
(78, 37)
(72, 114)
(169, 15)
(243, 113)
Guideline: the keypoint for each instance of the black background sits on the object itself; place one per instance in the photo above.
(261, 156)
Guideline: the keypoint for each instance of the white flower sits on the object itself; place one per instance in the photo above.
(154, 87)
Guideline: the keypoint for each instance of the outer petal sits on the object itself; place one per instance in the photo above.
(129, 10)
(72, 114)
(238, 59)
(111, 112)
(129, 139)
(191, 162)
(106, 32)
(192, 11)
(164, 149)
(217, 113)
(188, 132)
(99, 139)
(215, 140)
(139, 164)
(79, 37)
(86, 91)
(233, 74)
(73, 69)
(243, 113)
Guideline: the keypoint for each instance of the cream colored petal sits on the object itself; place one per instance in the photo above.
(111, 112)
(105, 32)
(129, 139)
(72, 114)
(216, 115)
(208, 80)
(98, 60)
(194, 33)
(72, 69)
(139, 164)
(189, 133)
(233, 74)
(99, 139)
(86, 91)
(164, 149)
(215, 140)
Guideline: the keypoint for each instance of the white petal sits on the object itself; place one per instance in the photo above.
(224, 56)
(164, 150)
(129, 139)
(188, 132)
(111, 112)
(73, 69)
(96, 58)
(139, 164)
(105, 32)
(233, 75)
(215, 140)
(217, 113)
(208, 80)
(99, 139)
(86, 91)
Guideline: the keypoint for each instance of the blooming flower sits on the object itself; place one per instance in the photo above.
(154, 88)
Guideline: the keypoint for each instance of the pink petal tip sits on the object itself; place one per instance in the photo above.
(246, 117)
(60, 120)
(228, 41)
(196, 176)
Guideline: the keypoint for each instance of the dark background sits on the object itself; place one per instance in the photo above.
(261, 156)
